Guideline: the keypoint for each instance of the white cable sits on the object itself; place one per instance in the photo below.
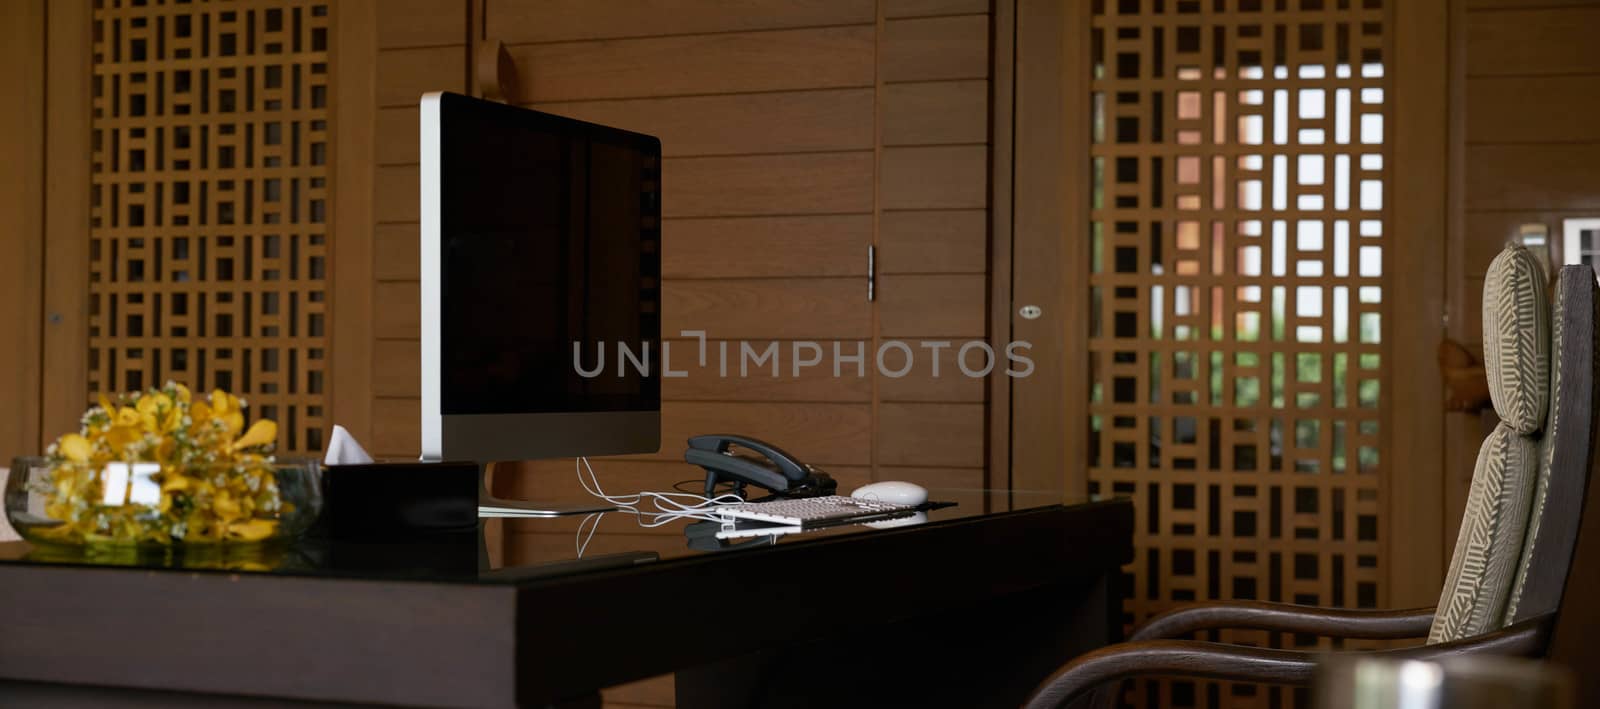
(666, 509)
(582, 545)
(664, 502)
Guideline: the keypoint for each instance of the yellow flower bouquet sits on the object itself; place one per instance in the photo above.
(160, 468)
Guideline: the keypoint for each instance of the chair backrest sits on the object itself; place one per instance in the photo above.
(1516, 355)
(1568, 452)
(1573, 643)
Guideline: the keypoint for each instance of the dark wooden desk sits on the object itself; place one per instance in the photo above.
(972, 608)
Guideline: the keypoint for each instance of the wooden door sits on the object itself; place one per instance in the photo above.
(1235, 212)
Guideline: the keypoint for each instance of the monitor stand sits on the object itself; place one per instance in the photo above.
(491, 506)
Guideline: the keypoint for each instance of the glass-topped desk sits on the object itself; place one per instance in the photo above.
(592, 542)
(1002, 586)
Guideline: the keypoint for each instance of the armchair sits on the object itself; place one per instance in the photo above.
(1517, 541)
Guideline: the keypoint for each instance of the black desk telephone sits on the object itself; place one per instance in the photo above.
(774, 469)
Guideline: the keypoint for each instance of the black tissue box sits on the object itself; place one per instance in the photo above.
(398, 501)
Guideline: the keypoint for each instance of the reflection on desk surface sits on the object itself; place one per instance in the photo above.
(533, 549)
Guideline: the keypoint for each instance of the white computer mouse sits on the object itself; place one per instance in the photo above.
(893, 492)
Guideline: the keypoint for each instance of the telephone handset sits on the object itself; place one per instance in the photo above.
(770, 467)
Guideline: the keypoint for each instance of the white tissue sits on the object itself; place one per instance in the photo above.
(344, 450)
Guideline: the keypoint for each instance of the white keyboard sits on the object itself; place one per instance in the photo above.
(814, 512)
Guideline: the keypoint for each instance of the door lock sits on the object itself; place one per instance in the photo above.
(1030, 312)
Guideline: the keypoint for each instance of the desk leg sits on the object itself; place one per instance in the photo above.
(989, 654)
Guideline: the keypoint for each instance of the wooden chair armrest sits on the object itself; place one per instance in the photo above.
(1184, 658)
(1238, 663)
(1286, 618)
(1528, 638)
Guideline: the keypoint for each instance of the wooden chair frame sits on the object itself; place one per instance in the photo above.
(1155, 649)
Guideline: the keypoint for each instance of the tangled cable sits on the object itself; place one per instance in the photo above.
(665, 506)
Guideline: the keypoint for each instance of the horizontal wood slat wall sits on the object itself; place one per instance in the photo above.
(795, 134)
(932, 237)
(1531, 154)
(422, 47)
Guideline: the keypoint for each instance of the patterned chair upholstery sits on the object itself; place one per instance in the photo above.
(1516, 354)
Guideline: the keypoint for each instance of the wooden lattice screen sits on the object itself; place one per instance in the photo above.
(1236, 250)
(208, 240)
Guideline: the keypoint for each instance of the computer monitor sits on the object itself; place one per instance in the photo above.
(540, 244)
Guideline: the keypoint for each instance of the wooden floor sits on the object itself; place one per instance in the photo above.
(653, 692)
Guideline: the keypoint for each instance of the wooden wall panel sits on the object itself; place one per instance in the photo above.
(932, 8)
(398, 189)
(569, 20)
(1530, 144)
(766, 308)
(1529, 154)
(947, 384)
(946, 435)
(936, 113)
(833, 183)
(395, 251)
(1522, 4)
(820, 433)
(716, 381)
(399, 310)
(396, 124)
(1533, 176)
(22, 165)
(940, 241)
(354, 146)
(397, 428)
(832, 57)
(1532, 42)
(1533, 108)
(422, 23)
(734, 124)
(422, 47)
(926, 49)
(821, 245)
(404, 75)
(932, 306)
(933, 192)
(938, 177)
(395, 364)
(947, 480)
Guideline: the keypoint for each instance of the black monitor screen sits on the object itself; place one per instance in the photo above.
(549, 236)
